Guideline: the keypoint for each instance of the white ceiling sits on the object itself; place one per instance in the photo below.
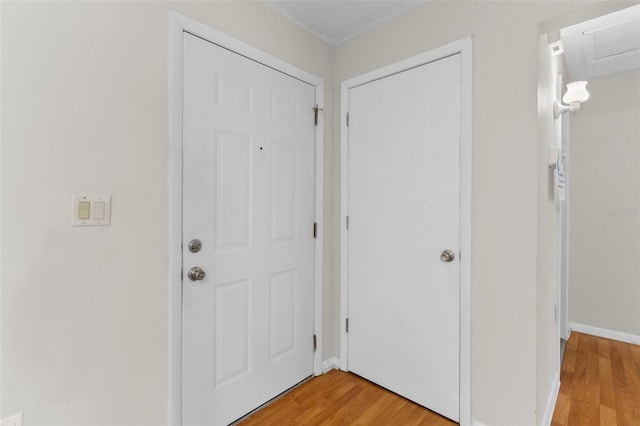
(604, 45)
(337, 21)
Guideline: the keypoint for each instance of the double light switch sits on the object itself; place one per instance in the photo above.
(91, 210)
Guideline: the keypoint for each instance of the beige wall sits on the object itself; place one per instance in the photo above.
(506, 179)
(85, 110)
(604, 223)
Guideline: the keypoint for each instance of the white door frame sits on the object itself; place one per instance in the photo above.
(179, 24)
(464, 48)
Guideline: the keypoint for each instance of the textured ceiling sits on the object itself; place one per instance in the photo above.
(604, 45)
(336, 21)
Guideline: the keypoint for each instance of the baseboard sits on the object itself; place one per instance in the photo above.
(332, 363)
(475, 422)
(606, 333)
(551, 401)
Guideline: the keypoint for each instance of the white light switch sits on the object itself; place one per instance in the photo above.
(90, 210)
(98, 210)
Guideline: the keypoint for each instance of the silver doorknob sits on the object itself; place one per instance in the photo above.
(447, 256)
(196, 273)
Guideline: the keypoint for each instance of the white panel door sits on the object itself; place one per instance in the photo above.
(404, 203)
(249, 198)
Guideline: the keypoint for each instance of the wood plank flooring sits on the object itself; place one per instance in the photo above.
(339, 398)
(600, 383)
(600, 386)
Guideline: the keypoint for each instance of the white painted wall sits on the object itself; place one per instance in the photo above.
(85, 110)
(604, 222)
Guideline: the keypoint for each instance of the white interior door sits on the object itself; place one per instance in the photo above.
(248, 196)
(404, 211)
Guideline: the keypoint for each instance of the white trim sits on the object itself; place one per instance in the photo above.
(332, 363)
(563, 222)
(606, 333)
(551, 401)
(475, 422)
(464, 48)
(344, 213)
(178, 24)
(319, 219)
(174, 409)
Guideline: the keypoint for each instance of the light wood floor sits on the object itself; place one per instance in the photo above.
(339, 398)
(600, 386)
(600, 383)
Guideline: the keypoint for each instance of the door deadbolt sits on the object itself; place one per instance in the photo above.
(447, 256)
(195, 245)
(196, 273)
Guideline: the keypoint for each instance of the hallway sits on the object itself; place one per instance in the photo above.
(600, 383)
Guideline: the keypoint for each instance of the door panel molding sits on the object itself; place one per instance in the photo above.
(464, 48)
(180, 24)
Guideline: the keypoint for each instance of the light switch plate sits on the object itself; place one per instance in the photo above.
(99, 207)
(15, 420)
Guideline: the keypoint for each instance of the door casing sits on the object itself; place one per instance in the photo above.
(179, 24)
(464, 48)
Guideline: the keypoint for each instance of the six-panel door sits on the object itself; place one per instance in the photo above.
(248, 186)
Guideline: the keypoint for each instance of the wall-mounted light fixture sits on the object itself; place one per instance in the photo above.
(576, 94)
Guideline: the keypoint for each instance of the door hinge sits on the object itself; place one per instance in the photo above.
(347, 119)
(347, 325)
(315, 343)
(347, 222)
(315, 113)
(315, 230)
